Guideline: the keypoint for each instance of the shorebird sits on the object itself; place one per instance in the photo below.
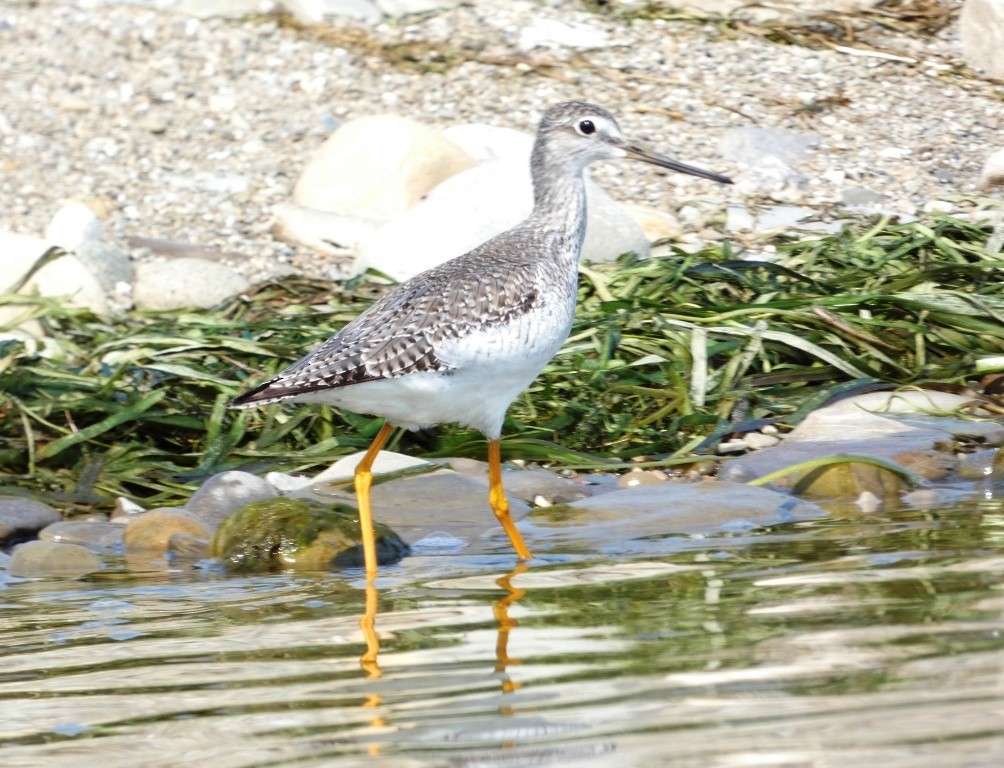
(459, 342)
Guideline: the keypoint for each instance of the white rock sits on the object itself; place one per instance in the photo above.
(739, 219)
(18, 254)
(73, 225)
(376, 167)
(283, 482)
(756, 441)
(490, 142)
(782, 217)
(226, 9)
(386, 461)
(981, 29)
(396, 8)
(550, 33)
(333, 233)
(185, 282)
(939, 206)
(771, 157)
(656, 224)
(319, 11)
(478, 204)
(993, 171)
(69, 278)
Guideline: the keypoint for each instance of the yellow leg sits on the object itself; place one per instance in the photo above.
(500, 505)
(363, 481)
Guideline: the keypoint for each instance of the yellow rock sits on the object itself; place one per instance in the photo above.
(152, 531)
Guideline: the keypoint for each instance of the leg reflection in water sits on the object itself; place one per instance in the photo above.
(505, 624)
(370, 663)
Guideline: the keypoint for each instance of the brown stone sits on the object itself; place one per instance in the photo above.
(151, 532)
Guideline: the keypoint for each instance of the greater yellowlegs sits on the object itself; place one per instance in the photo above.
(458, 343)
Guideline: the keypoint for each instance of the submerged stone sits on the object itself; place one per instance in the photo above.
(52, 559)
(95, 535)
(151, 532)
(301, 534)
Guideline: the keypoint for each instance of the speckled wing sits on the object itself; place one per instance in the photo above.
(399, 334)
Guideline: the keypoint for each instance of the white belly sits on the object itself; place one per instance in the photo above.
(487, 372)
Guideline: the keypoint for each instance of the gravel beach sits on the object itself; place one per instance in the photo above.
(191, 129)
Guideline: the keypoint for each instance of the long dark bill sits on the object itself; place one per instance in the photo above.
(636, 152)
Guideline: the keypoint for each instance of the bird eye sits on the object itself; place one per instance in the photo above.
(586, 127)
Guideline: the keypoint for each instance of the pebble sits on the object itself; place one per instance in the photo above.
(111, 266)
(73, 225)
(888, 425)
(225, 493)
(94, 535)
(756, 441)
(641, 519)
(22, 518)
(52, 559)
(186, 282)
(151, 532)
(982, 465)
(185, 546)
(981, 30)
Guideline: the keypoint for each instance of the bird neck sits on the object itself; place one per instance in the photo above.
(559, 203)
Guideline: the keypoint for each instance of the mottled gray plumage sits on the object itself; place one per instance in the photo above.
(508, 304)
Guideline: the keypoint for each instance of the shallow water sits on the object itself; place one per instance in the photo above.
(851, 640)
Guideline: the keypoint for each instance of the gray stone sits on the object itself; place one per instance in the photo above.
(647, 519)
(22, 518)
(981, 29)
(889, 425)
(223, 494)
(110, 265)
(771, 157)
(94, 535)
(52, 559)
(187, 547)
(439, 502)
(526, 484)
(859, 197)
(181, 283)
